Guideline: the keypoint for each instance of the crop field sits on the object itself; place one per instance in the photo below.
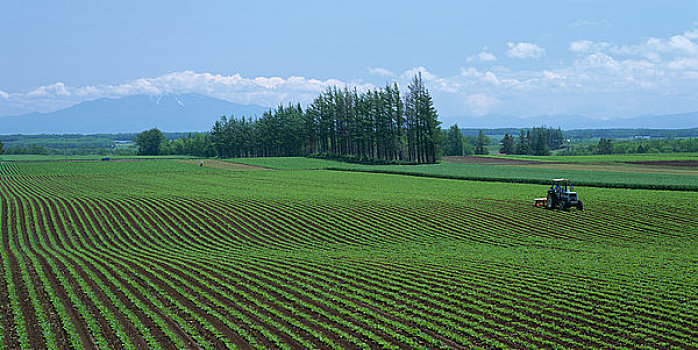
(626, 172)
(169, 255)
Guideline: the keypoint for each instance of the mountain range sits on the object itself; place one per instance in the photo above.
(170, 112)
(195, 112)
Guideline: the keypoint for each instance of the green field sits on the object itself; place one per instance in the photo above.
(639, 157)
(164, 254)
(289, 163)
(615, 174)
(57, 158)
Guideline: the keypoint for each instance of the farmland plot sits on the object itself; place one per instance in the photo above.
(170, 255)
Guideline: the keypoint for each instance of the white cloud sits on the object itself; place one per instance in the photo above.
(584, 46)
(266, 91)
(483, 56)
(553, 75)
(581, 46)
(481, 103)
(380, 71)
(587, 23)
(426, 75)
(472, 77)
(656, 48)
(692, 34)
(525, 50)
(434, 82)
(665, 68)
(682, 64)
(56, 89)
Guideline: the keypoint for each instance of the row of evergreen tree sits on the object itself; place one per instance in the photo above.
(455, 144)
(537, 141)
(339, 122)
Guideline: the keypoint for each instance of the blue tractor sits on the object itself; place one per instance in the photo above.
(561, 196)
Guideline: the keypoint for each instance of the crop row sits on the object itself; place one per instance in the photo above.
(154, 271)
(146, 272)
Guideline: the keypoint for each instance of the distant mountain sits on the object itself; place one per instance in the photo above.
(195, 112)
(170, 112)
(568, 122)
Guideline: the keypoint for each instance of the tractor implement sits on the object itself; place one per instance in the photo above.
(539, 202)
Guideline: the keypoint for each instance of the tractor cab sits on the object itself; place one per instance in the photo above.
(560, 196)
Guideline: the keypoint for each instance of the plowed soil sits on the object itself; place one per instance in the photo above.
(681, 163)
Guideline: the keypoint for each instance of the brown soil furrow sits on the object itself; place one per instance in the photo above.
(147, 321)
(164, 216)
(101, 212)
(6, 316)
(276, 271)
(233, 301)
(585, 318)
(219, 213)
(239, 282)
(36, 340)
(270, 278)
(142, 274)
(280, 223)
(49, 311)
(129, 328)
(76, 319)
(232, 218)
(491, 296)
(332, 277)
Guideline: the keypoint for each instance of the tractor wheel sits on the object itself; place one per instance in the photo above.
(549, 202)
(561, 206)
(580, 206)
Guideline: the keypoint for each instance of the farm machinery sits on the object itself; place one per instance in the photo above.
(561, 196)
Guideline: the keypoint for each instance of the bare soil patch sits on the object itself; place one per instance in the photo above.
(677, 163)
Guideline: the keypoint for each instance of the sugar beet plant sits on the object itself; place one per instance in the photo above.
(87, 262)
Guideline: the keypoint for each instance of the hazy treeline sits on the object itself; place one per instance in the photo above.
(582, 134)
(608, 146)
(457, 144)
(378, 124)
(537, 141)
(73, 150)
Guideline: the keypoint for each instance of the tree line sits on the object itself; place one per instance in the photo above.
(377, 124)
(456, 144)
(608, 146)
(536, 141)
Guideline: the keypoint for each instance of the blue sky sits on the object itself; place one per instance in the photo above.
(603, 59)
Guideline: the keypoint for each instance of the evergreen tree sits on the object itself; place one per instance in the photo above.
(508, 144)
(522, 143)
(339, 122)
(538, 142)
(605, 146)
(423, 122)
(453, 146)
(480, 145)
